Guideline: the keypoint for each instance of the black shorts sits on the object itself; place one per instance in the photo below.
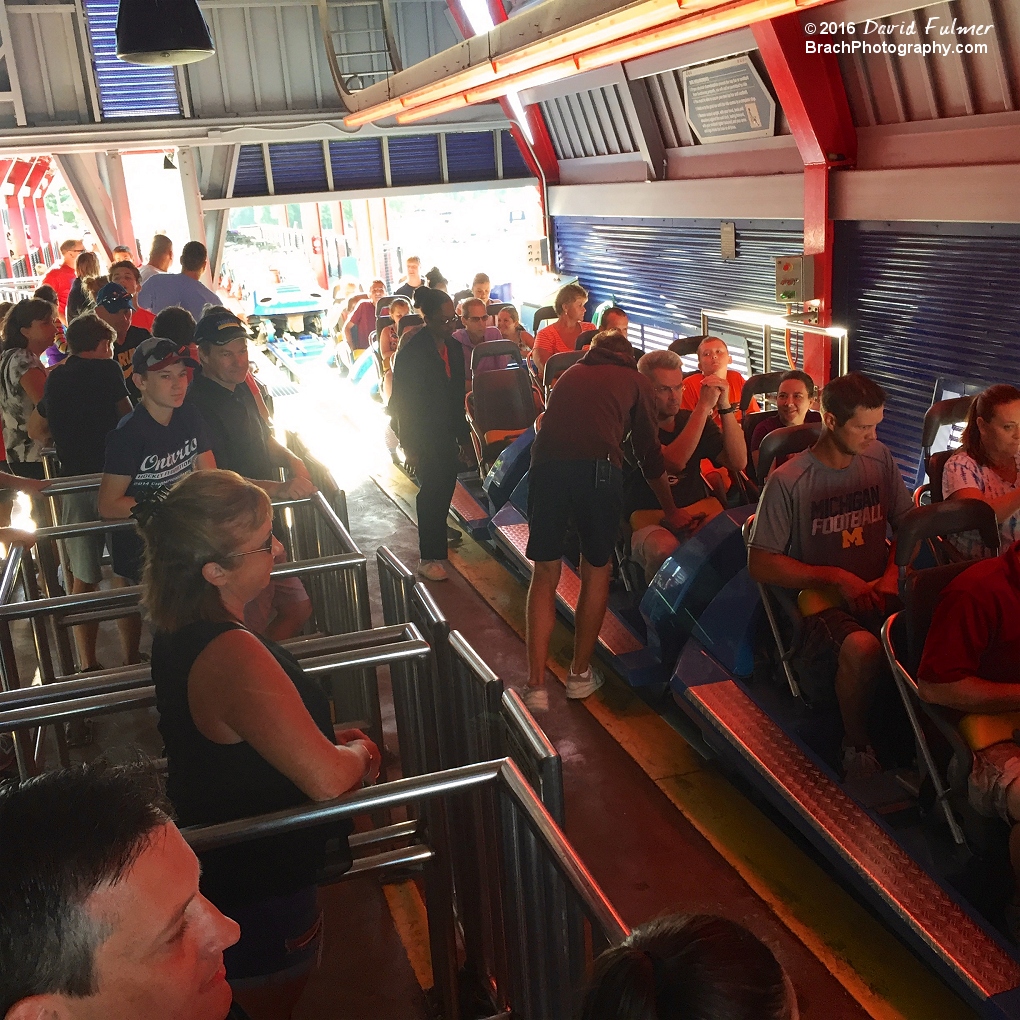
(816, 657)
(127, 551)
(561, 492)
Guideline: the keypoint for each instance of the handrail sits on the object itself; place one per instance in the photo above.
(129, 677)
(427, 787)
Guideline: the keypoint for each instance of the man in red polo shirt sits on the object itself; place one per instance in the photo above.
(971, 663)
(62, 275)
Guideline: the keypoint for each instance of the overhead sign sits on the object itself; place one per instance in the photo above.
(727, 102)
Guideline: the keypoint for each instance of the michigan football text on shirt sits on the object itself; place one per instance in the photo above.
(847, 512)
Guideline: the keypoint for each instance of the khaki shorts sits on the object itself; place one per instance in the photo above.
(995, 770)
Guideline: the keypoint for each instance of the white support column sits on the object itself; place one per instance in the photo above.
(193, 201)
(80, 171)
(119, 196)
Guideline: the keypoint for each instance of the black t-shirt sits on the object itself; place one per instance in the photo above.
(687, 487)
(238, 433)
(80, 404)
(406, 290)
(122, 355)
(209, 782)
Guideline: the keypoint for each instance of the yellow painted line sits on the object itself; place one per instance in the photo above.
(888, 981)
(412, 923)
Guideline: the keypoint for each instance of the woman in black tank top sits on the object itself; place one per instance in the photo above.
(246, 731)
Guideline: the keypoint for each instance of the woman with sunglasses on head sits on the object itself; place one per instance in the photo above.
(246, 730)
(427, 410)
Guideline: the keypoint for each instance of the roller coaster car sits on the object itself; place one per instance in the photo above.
(289, 307)
(919, 876)
(499, 407)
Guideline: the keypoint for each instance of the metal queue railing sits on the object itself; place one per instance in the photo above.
(478, 721)
(322, 552)
(538, 905)
(337, 659)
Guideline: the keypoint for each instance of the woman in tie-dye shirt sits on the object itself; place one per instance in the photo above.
(987, 466)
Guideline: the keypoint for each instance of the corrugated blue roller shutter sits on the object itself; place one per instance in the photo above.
(665, 271)
(513, 162)
(357, 163)
(298, 167)
(126, 90)
(922, 304)
(471, 156)
(250, 178)
(414, 159)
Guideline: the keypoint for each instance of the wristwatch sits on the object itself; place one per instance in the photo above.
(727, 410)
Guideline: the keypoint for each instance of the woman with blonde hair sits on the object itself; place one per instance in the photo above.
(246, 730)
(82, 297)
(562, 334)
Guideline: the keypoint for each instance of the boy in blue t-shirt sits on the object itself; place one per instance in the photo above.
(158, 443)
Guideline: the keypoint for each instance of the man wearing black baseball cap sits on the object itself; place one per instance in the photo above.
(158, 443)
(114, 305)
(242, 442)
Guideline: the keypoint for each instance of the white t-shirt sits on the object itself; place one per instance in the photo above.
(146, 271)
(962, 471)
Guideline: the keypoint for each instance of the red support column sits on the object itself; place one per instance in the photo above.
(810, 90)
(30, 209)
(544, 165)
(17, 177)
(40, 206)
(5, 248)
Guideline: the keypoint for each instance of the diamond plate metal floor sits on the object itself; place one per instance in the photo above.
(614, 636)
(919, 900)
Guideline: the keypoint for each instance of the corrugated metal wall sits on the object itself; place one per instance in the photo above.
(300, 167)
(921, 305)
(126, 90)
(665, 271)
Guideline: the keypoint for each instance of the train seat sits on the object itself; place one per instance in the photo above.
(544, 314)
(686, 346)
(757, 386)
(556, 366)
(785, 442)
(500, 407)
(904, 634)
(940, 414)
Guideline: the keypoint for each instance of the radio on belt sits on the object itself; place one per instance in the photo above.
(795, 279)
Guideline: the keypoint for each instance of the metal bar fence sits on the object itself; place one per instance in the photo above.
(536, 891)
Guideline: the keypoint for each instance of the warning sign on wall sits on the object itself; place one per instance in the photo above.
(727, 101)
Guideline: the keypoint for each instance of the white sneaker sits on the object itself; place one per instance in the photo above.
(860, 765)
(581, 685)
(431, 570)
(536, 699)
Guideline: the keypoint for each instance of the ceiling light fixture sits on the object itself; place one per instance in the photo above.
(162, 32)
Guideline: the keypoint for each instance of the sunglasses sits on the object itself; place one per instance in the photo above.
(266, 547)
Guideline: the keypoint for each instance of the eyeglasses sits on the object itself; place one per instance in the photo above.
(475, 318)
(447, 322)
(266, 547)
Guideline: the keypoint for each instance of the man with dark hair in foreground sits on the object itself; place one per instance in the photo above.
(102, 918)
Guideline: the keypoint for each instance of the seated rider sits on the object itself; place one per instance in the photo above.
(687, 438)
(474, 332)
(793, 403)
(971, 664)
(821, 526)
(987, 467)
(714, 360)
